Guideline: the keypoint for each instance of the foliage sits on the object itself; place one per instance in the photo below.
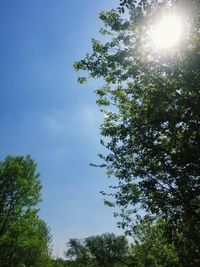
(104, 250)
(60, 263)
(151, 246)
(19, 191)
(107, 249)
(24, 238)
(151, 125)
(77, 251)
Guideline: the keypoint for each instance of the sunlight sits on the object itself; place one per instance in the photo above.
(167, 32)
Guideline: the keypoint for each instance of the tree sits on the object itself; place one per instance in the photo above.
(151, 247)
(151, 125)
(104, 250)
(107, 249)
(77, 251)
(61, 263)
(19, 191)
(26, 242)
(24, 237)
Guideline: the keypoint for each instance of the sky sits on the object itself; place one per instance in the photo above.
(45, 113)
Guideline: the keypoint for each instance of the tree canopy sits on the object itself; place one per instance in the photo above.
(24, 237)
(150, 100)
(104, 250)
(150, 248)
(107, 249)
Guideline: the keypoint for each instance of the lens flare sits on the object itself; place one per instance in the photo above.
(167, 32)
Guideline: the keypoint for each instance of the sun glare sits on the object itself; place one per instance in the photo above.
(167, 32)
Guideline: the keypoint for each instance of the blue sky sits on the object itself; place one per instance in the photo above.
(45, 113)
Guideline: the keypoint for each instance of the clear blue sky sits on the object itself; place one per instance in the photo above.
(43, 112)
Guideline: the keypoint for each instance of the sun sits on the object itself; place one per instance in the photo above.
(167, 33)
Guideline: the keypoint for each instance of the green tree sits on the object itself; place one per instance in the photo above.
(77, 252)
(107, 249)
(151, 104)
(24, 237)
(19, 191)
(61, 263)
(151, 247)
(104, 250)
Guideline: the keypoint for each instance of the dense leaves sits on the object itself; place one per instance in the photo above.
(150, 248)
(77, 251)
(24, 237)
(104, 250)
(151, 104)
(107, 249)
(19, 191)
